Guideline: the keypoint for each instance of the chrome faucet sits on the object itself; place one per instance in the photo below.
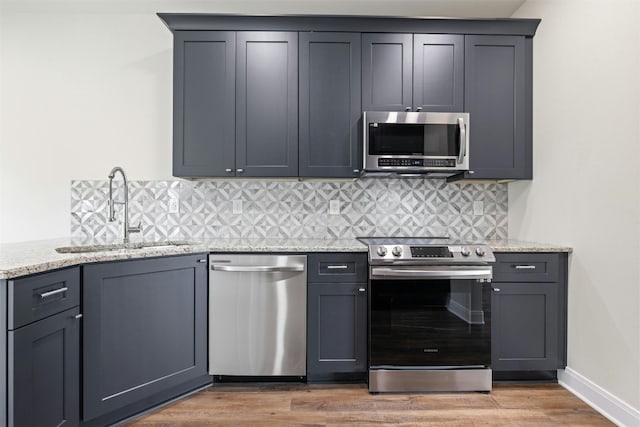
(112, 203)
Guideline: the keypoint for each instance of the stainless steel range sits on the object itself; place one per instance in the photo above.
(429, 315)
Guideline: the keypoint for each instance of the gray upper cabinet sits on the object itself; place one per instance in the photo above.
(329, 109)
(235, 104)
(387, 72)
(498, 99)
(267, 104)
(412, 72)
(438, 72)
(204, 103)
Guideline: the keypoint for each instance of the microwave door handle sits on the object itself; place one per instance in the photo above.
(463, 140)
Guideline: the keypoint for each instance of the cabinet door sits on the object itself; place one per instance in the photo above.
(387, 72)
(337, 336)
(144, 332)
(204, 104)
(44, 372)
(497, 89)
(525, 323)
(330, 142)
(438, 72)
(267, 104)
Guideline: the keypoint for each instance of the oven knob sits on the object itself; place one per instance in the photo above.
(465, 251)
(382, 250)
(480, 251)
(396, 251)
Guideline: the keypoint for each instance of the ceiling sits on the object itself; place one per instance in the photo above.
(421, 8)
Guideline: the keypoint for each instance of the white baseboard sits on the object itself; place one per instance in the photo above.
(617, 411)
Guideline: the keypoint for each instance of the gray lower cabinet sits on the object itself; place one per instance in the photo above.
(337, 317)
(529, 312)
(44, 372)
(412, 72)
(43, 349)
(498, 99)
(330, 142)
(235, 110)
(144, 335)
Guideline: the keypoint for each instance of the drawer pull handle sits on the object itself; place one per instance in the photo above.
(202, 261)
(54, 292)
(361, 289)
(496, 289)
(337, 267)
(78, 316)
(525, 267)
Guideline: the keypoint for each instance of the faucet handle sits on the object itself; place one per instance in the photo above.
(136, 229)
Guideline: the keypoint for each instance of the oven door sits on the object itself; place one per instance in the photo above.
(430, 318)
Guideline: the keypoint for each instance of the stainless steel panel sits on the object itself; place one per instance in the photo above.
(258, 319)
(414, 117)
(432, 272)
(458, 252)
(370, 161)
(417, 380)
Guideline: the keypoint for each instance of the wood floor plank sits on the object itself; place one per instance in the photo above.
(352, 405)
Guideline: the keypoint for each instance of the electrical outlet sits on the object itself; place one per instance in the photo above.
(174, 205)
(237, 207)
(478, 208)
(334, 207)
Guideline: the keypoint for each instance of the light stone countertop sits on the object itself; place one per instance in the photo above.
(23, 258)
(512, 245)
(285, 245)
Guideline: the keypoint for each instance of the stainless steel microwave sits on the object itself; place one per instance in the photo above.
(416, 142)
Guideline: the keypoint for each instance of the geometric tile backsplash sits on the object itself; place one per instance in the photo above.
(291, 209)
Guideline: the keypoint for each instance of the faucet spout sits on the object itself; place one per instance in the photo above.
(112, 212)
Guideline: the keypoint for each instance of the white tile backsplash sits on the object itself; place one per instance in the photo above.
(274, 209)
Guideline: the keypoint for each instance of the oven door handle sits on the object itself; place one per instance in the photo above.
(433, 272)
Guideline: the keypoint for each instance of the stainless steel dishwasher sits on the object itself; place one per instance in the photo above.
(257, 315)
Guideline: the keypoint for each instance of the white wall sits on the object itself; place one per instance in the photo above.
(81, 93)
(86, 85)
(586, 187)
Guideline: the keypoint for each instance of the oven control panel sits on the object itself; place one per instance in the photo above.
(472, 253)
(430, 252)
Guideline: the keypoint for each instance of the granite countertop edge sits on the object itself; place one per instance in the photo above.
(25, 258)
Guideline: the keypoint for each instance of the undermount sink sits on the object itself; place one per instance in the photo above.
(120, 246)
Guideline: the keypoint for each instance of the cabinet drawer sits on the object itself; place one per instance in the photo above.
(526, 267)
(35, 297)
(337, 267)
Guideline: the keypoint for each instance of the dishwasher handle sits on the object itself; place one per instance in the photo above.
(238, 268)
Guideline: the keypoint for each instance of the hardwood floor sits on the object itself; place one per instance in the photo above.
(351, 404)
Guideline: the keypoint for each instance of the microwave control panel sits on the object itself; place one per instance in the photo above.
(447, 163)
